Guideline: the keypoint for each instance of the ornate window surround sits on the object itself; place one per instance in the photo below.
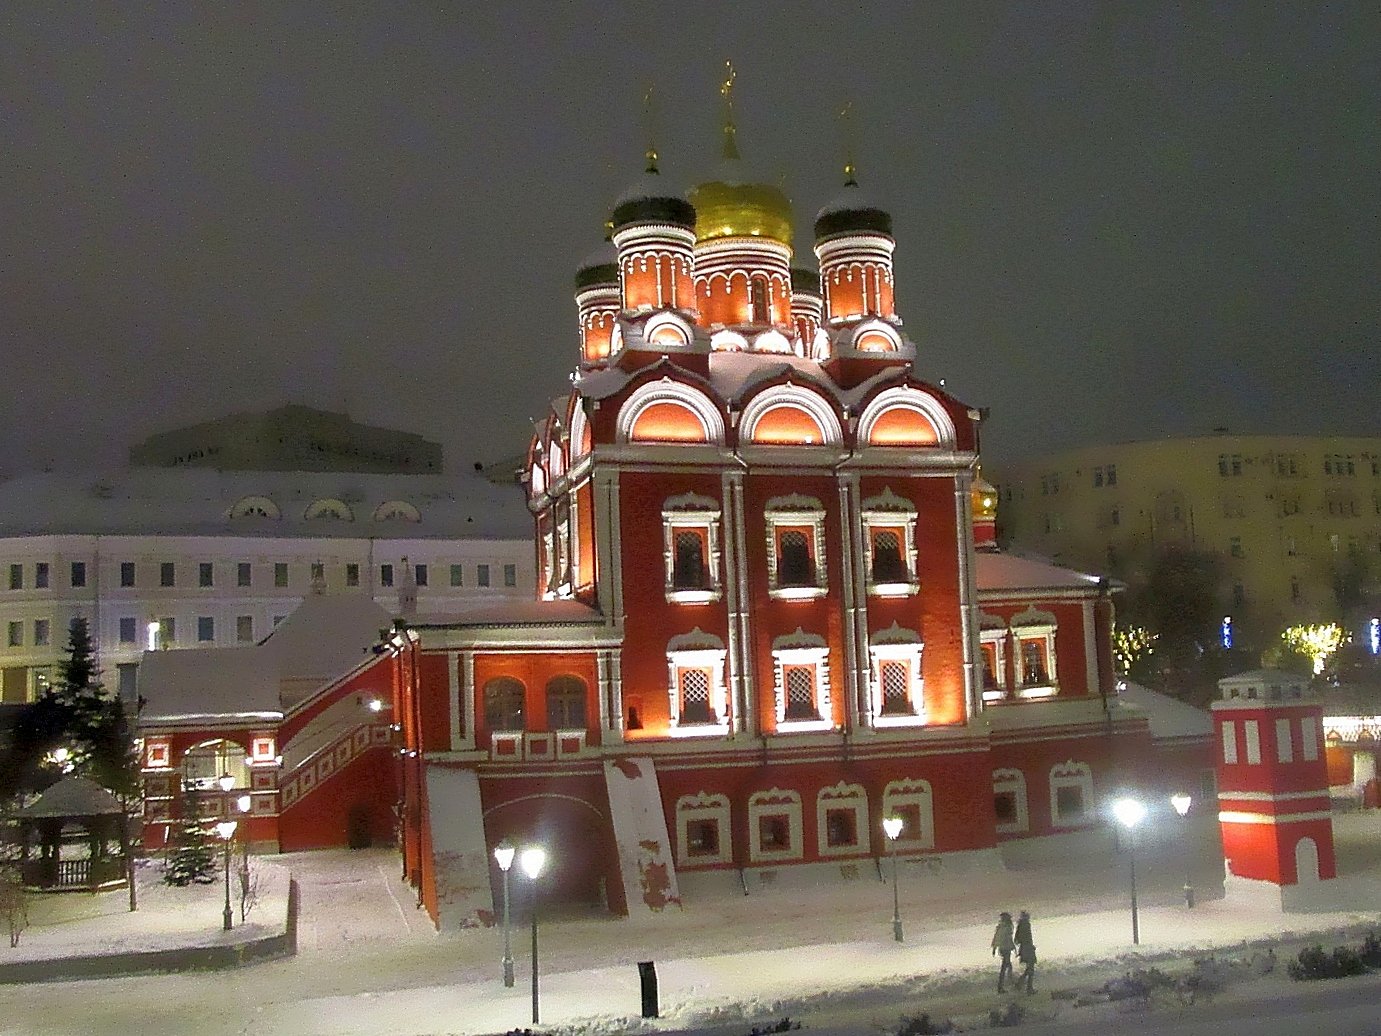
(802, 649)
(887, 510)
(769, 803)
(992, 632)
(1041, 627)
(796, 510)
(703, 806)
(896, 644)
(1071, 774)
(668, 391)
(697, 650)
(796, 398)
(689, 510)
(842, 796)
(915, 793)
(912, 399)
(1013, 782)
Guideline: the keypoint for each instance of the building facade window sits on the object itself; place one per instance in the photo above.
(1009, 802)
(503, 704)
(16, 634)
(703, 831)
(1229, 742)
(774, 825)
(78, 574)
(1071, 794)
(280, 573)
(1251, 734)
(42, 632)
(206, 574)
(510, 575)
(129, 632)
(897, 691)
(690, 548)
(457, 575)
(167, 573)
(127, 573)
(841, 820)
(244, 629)
(566, 703)
(1034, 632)
(698, 697)
(481, 575)
(41, 571)
(889, 545)
(385, 575)
(167, 631)
(912, 801)
(420, 574)
(795, 547)
(16, 577)
(352, 573)
(800, 663)
(244, 574)
(206, 629)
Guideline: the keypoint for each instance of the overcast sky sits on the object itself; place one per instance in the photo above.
(1114, 220)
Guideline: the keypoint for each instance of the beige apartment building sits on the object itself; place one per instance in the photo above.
(1287, 515)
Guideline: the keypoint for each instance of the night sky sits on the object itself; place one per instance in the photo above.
(1114, 220)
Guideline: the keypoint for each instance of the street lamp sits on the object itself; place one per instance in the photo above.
(532, 859)
(1182, 802)
(503, 855)
(1129, 813)
(891, 827)
(226, 829)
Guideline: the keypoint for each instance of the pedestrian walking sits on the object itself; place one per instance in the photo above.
(1026, 953)
(1002, 945)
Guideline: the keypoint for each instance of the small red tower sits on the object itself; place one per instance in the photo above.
(1273, 789)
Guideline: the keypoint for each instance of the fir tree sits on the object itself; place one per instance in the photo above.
(193, 858)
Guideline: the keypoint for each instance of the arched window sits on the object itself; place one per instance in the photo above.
(788, 425)
(396, 511)
(667, 422)
(503, 703)
(759, 294)
(565, 703)
(328, 508)
(255, 507)
(689, 571)
(888, 563)
(203, 766)
(905, 416)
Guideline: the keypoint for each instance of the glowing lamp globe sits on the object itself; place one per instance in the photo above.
(1181, 804)
(1129, 812)
(503, 855)
(891, 827)
(532, 861)
(226, 781)
(226, 829)
(243, 803)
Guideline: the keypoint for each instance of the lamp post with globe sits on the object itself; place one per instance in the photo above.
(533, 859)
(503, 855)
(891, 827)
(1129, 813)
(1182, 802)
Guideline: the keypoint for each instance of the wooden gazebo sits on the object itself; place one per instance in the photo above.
(73, 801)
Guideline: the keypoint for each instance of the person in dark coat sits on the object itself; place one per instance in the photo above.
(1002, 944)
(1026, 953)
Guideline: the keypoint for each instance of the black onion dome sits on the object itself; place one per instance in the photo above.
(804, 279)
(851, 212)
(649, 200)
(599, 267)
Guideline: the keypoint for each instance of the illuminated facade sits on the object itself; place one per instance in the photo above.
(770, 612)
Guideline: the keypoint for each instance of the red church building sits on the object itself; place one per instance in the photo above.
(771, 609)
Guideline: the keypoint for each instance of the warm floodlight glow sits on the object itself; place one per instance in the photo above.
(226, 781)
(375, 705)
(226, 829)
(1129, 812)
(891, 827)
(532, 860)
(503, 855)
(1181, 803)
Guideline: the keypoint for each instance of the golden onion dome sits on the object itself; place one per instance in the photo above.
(728, 207)
(731, 204)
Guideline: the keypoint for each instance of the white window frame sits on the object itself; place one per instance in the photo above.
(796, 510)
(889, 511)
(774, 801)
(689, 511)
(698, 650)
(837, 797)
(1014, 782)
(1071, 774)
(1229, 742)
(993, 631)
(703, 806)
(1041, 627)
(1285, 749)
(1309, 739)
(802, 649)
(897, 645)
(916, 793)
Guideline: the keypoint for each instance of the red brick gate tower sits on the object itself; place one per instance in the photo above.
(1273, 789)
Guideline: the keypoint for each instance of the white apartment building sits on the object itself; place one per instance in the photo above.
(178, 558)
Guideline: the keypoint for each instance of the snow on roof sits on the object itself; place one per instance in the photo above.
(1168, 717)
(323, 639)
(198, 502)
(999, 572)
(73, 797)
(522, 612)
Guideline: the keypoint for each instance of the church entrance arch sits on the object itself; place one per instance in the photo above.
(582, 861)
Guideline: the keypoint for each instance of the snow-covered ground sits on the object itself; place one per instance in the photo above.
(369, 961)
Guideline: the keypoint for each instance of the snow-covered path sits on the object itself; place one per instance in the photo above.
(369, 961)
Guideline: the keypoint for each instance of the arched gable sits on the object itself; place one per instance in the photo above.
(254, 507)
(790, 414)
(668, 411)
(329, 507)
(905, 416)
